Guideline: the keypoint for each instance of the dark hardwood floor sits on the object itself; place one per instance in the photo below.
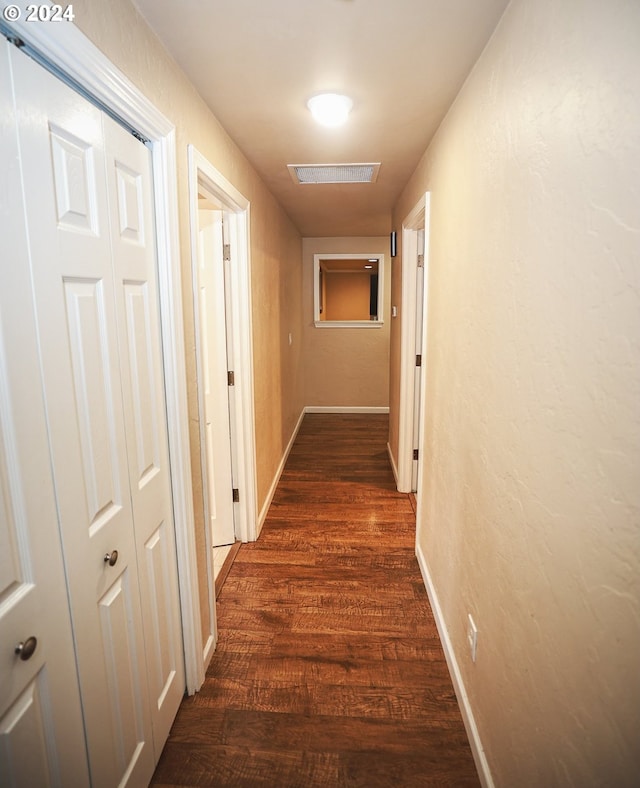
(329, 670)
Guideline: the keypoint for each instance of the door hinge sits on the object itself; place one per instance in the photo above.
(226, 252)
(416, 454)
(420, 261)
(231, 378)
(236, 495)
(418, 360)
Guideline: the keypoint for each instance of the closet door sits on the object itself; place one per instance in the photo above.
(100, 355)
(129, 180)
(41, 732)
(62, 151)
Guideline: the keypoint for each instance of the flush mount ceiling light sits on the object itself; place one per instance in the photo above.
(330, 109)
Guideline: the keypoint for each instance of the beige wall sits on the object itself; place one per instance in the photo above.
(345, 366)
(531, 491)
(117, 29)
(347, 296)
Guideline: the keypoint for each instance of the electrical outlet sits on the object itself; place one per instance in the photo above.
(472, 637)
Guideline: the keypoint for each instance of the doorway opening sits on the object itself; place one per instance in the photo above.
(222, 312)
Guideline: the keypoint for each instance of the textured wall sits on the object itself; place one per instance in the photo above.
(117, 29)
(345, 366)
(347, 296)
(531, 488)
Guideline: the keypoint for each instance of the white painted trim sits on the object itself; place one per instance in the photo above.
(410, 226)
(243, 426)
(276, 479)
(345, 409)
(477, 749)
(348, 323)
(211, 637)
(424, 369)
(209, 646)
(66, 47)
(392, 463)
(175, 374)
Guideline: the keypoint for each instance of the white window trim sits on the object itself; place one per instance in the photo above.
(317, 258)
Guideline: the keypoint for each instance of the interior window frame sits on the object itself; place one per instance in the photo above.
(317, 271)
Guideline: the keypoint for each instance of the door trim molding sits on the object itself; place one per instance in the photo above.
(416, 220)
(202, 174)
(75, 57)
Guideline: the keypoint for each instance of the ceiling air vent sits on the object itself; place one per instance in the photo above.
(334, 173)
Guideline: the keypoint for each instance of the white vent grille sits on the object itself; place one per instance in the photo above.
(334, 173)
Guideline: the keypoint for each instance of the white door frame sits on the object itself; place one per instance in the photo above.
(202, 174)
(417, 219)
(236, 208)
(69, 50)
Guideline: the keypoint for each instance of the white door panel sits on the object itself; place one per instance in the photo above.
(125, 692)
(135, 275)
(68, 228)
(90, 217)
(213, 343)
(40, 713)
(95, 392)
(82, 397)
(417, 380)
(74, 180)
(24, 759)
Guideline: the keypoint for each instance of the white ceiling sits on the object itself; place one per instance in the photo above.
(256, 62)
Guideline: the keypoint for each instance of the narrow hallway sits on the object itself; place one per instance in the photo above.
(329, 670)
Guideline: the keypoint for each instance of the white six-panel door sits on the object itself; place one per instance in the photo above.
(213, 350)
(91, 237)
(63, 156)
(41, 731)
(134, 262)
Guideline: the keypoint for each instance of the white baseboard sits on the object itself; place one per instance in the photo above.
(393, 464)
(344, 409)
(207, 651)
(482, 765)
(272, 490)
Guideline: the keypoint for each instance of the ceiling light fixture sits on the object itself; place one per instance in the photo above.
(330, 109)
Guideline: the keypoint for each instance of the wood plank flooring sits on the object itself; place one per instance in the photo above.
(329, 670)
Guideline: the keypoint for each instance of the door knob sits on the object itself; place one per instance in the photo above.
(111, 558)
(26, 648)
